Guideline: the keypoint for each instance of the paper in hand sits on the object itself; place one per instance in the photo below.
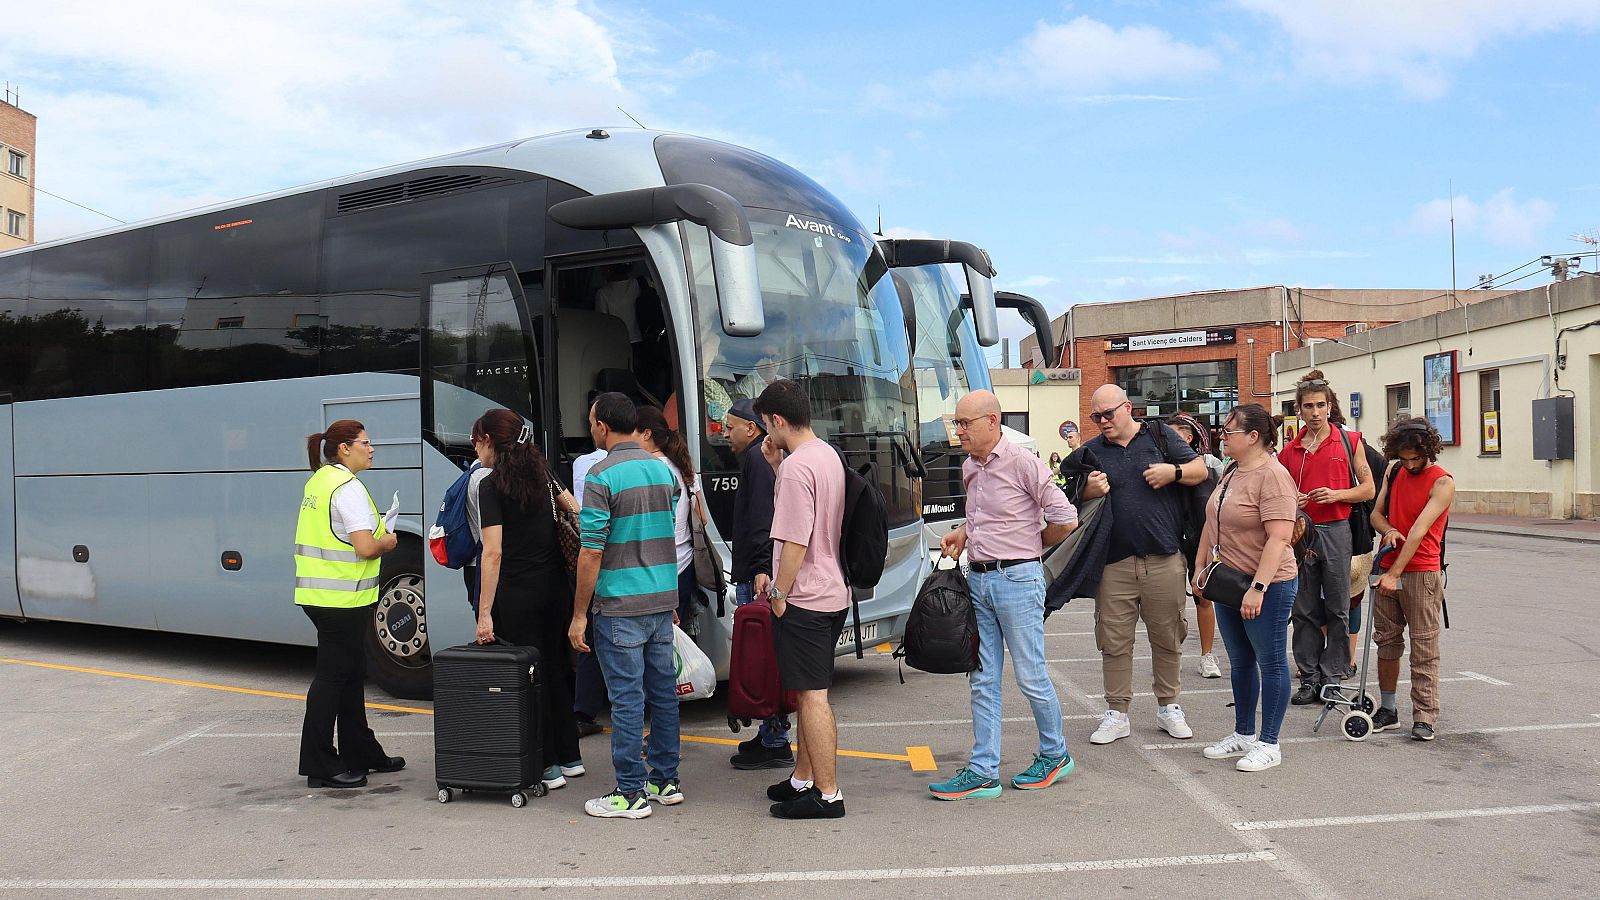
(392, 514)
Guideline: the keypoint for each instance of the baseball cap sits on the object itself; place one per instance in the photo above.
(746, 409)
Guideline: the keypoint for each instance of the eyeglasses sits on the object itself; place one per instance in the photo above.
(363, 443)
(1314, 382)
(964, 424)
(1108, 415)
(1235, 431)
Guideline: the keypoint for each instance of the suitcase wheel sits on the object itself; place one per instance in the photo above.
(519, 800)
(446, 795)
(539, 789)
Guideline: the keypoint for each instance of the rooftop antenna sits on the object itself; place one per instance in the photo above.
(630, 115)
(879, 232)
(1592, 238)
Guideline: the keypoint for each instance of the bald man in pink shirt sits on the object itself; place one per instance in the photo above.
(1014, 511)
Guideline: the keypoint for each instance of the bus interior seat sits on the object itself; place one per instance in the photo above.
(589, 343)
(623, 381)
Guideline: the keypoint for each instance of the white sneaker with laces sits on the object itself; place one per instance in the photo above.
(1233, 745)
(1171, 720)
(1209, 667)
(1113, 725)
(1261, 756)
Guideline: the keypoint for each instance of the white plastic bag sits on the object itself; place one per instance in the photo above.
(697, 679)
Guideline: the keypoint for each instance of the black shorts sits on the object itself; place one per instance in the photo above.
(804, 641)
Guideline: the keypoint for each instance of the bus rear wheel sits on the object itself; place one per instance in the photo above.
(398, 652)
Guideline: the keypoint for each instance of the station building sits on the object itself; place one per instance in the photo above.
(18, 134)
(1204, 353)
(1512, 383)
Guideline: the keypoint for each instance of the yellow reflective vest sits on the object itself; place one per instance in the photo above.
(327, 571)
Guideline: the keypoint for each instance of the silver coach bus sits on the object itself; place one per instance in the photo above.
(157, 380)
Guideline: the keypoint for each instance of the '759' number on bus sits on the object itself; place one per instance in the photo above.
(723, 483)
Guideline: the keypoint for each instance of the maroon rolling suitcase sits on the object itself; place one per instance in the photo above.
(755, 691)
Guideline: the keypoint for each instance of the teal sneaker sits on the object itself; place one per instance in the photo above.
(553, 778)
(617, 805)
(1044, 772)
(665, 794)
(966, 784)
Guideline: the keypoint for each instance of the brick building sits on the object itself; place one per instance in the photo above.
(1205, 353)
(18, 132)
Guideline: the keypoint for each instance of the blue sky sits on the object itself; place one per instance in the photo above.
(1099, 151)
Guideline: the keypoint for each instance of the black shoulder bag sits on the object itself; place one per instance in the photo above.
(1218, 581)
(1360, 513)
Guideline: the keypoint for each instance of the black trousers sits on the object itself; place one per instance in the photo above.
(536, 613)
(336, 699)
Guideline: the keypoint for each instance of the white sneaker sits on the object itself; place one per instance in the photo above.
(573, 770)
(1261, 756)
(1233, 745)
(1209, 667)
(1170, 718)
(1113, 725)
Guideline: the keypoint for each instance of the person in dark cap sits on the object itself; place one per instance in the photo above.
(752, 563)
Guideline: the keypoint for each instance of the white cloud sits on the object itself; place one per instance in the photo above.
(149, 108)
(1085, 60)
(1032, 282)
(1502, 220)
(1413, 42)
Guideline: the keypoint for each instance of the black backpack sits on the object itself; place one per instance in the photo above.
(942, 628)
(863, 536)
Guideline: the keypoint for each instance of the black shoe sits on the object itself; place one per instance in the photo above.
(751, 745)
(392, 764)
(1310, 692)
(341, 780)
(587, 727)
(809, 805)
(784, 791)
(1421, 731)
(762, 757)
(1384, 719)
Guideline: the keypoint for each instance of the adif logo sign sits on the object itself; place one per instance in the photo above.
(1059, 376)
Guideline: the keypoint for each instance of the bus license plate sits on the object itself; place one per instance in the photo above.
(869, 634)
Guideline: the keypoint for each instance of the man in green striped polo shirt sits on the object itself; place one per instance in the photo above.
(628, 578)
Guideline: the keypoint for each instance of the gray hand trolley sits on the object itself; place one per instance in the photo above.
(1357, 703)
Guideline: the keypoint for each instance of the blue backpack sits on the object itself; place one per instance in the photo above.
(450, 539)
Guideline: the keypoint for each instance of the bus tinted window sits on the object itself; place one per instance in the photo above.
(14, 354)
(231, 294)
(86, 320)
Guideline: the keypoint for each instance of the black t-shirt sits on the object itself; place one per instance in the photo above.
(528, 547)
(1148, 522)
(752, 515)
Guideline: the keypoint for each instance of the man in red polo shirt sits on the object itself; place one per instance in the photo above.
(1412, 511)
(1321, 461)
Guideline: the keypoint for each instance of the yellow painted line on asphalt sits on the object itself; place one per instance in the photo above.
(884, 647)
(920, 758)
(200, 684)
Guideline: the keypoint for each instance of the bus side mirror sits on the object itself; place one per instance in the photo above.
(733, 251)
(738, 287)
(985, 320)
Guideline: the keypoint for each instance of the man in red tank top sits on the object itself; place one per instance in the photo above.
(1412, 511)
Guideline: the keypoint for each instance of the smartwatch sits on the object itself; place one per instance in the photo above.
(1177, 474)
(1258, 586)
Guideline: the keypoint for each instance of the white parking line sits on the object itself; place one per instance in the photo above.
(619, 881)
(1486, 679)
(1229, 690)
(1430, 816)
(182, 739)
(1502, 729)
(942, 722)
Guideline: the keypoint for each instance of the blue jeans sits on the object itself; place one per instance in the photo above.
(774, 732)
(1010, 606)
(1258, 650)
(635, 653)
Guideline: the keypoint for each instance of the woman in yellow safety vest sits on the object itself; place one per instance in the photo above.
(337, 544)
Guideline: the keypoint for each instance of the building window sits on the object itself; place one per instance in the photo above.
(1206, 390)
(1489, 412)
(1016, 420)
(1399, 401)
(16, 223)
(230, 322)
(17, 164)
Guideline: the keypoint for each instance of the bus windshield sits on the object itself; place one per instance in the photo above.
(948, 360)
(833, 323)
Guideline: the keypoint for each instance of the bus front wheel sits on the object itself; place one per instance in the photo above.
(397, 643)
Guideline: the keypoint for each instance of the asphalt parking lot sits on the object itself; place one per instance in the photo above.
(141, 764)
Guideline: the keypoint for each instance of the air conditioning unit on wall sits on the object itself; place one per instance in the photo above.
(1356, 328)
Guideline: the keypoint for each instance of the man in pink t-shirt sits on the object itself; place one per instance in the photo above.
(808, 593)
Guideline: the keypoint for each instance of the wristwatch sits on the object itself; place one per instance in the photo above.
(1258, 586)
(776, 593)
(1177, 473)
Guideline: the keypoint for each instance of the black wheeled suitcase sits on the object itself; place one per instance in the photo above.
(487, 734)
